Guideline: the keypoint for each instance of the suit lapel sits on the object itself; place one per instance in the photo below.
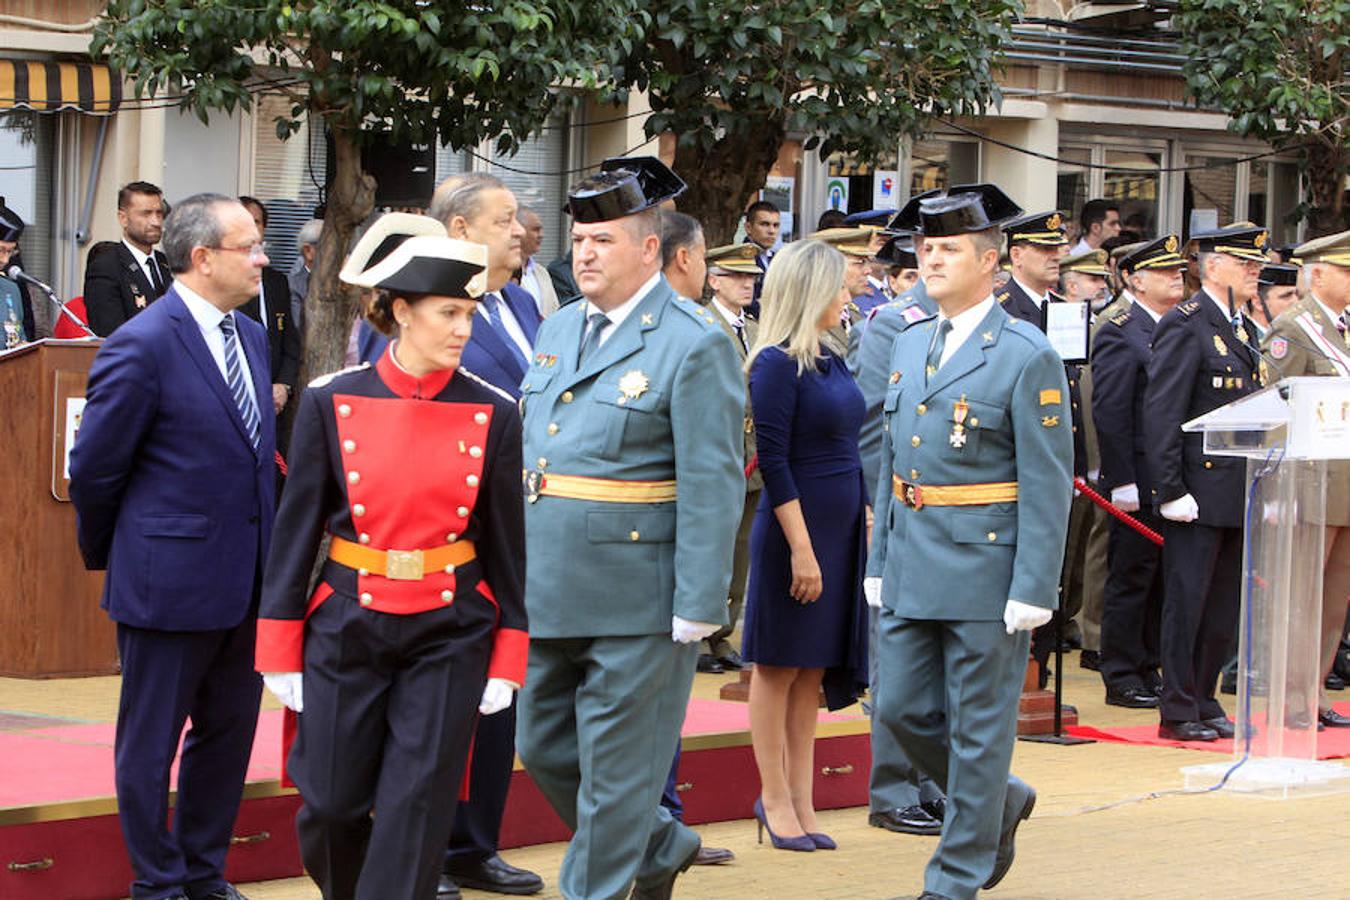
(1224, 327)
(522, 307)
(135, 274)
(731, 332)
(970, 355)
(494, 343)
(191, 336)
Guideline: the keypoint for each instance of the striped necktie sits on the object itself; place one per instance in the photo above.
(239, 387)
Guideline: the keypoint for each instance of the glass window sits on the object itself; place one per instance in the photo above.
(1132, 180)
(544, 152)
(288, 176)
(27, 155)
(859, 177)
(940, 164)
(1272, 198)
(1074, 180)
(1210, 199)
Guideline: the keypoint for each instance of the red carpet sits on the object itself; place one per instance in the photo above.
(1332, 743)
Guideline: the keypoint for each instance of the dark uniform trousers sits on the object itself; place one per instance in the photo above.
(478, 820)
(1132, 606)
(167, 677)
(390, 703)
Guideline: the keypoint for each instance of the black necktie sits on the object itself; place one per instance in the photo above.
(156, 278)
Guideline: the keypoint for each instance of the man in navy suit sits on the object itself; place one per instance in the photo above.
(479, 207)
(173, 480)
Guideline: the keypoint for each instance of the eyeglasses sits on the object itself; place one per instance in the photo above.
(255, 251)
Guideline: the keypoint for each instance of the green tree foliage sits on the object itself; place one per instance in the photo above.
(1279, 69)
(733, 79)
(422, 70)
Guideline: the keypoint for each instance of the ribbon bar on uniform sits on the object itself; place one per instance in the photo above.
(603, 490)
(400, 565)
(917, 496)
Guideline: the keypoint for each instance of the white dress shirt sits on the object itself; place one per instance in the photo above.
(963, 326)
(623, 310)
(208, 318)
(509, 324)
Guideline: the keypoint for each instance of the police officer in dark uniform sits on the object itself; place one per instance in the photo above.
(1202, 359)
(1120, 356)
(417, 624)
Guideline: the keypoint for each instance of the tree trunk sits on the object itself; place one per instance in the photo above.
(723, 179)
(332, 306)
(1326, 167)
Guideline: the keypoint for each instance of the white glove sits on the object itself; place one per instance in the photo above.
(497, 696)
(682, 631)
(872, 591)
(288, 687)
(1126, 497)
(1019, 616)
(1182, 509)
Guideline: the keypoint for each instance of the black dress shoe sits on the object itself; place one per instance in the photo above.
(731, 661)
(1091, 660)
(713, 856)
(662, 889)
(936, 808)
(446, 889)
(1003, 860)
(1332, 719)
(1131, 698)
(492, 873)
(1186, 731)
(906, 820)
(708, 664)
(1221, 725)
(1334, 682)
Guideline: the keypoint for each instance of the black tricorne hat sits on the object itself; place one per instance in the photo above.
(898, 251)
(624, 186)
(1279, 275)
(11, 225)
(965, 209)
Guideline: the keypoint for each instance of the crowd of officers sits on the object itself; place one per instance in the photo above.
(615, 416)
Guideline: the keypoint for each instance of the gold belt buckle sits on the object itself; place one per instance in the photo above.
(403, 565)
(913, 496)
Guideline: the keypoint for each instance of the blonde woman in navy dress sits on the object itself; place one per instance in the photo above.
(805, 621)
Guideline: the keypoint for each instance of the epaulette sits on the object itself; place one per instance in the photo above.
(1188, 308)
(1120, 319)
(1003, 297)
(694, 311)
(479, 379)
(325, 380)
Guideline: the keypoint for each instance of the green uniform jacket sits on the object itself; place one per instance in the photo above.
(663, 398)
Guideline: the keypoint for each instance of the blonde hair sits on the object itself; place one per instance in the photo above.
(803, 280)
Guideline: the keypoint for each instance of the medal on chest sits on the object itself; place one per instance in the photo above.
(138, 300)
(1220, 345)
(960, 409)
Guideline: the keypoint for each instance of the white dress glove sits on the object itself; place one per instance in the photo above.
(1182, 509)
(288, 687)
(1019, 616)
(682, 631)
(497, 696)
(1126, 497)
(872, 591)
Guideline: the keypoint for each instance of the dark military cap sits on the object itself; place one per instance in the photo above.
(625, 186)
(11, 226)
(965, 209)
(872, 218)
(1279, 275)
(898, 251)
(1156, 254)
(1332, 248)
(1044, 229)
(1089, 262)
(1242, 240)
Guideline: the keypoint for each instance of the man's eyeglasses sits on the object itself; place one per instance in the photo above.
(255, 251)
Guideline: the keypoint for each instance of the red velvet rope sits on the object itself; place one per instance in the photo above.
(1117, 512)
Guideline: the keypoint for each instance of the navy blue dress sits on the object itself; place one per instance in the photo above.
(806, 428)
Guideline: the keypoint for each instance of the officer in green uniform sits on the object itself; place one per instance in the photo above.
(971, 511)
(630, 392)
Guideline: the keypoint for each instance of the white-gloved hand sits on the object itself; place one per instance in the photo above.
(872, 591)
(1019, 616)
(288, 687)
(682, 631)
(1126, 497)
(497, 694)
(1182, 509)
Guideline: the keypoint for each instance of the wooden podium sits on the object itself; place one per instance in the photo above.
(50, 621)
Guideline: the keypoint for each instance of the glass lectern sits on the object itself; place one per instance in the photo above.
(1289, 433)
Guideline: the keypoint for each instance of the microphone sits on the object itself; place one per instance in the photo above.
(17, 274)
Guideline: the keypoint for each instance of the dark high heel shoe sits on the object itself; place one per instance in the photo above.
(801, 842)
(822, 841)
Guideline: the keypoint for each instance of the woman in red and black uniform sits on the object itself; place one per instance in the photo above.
(417, 623)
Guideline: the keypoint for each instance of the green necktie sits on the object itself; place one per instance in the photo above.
(595, 324)
(935, 350)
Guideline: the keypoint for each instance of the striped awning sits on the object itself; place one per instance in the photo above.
(57, 86)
